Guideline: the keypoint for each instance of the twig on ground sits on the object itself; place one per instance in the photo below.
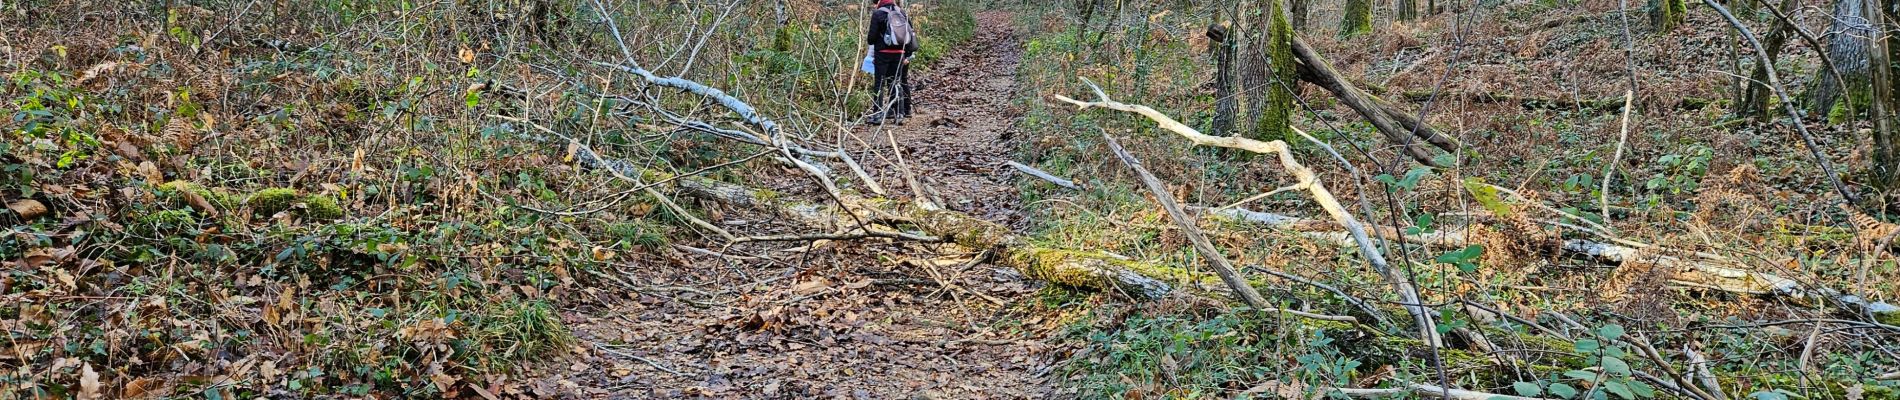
(1421, 389)
(1044, 175)
(656, 365)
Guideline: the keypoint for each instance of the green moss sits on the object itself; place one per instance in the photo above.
(652, 175)
(1666, 14)
(765, 195)
(168, 220)
(1889, 318)
(321, 208)
(171, 191)
(271, 201)
(1276, 115)
(1358, 18)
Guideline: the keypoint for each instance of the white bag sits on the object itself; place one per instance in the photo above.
(869, 66)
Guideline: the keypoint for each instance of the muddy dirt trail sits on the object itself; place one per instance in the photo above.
(958, 139)
(854, 320)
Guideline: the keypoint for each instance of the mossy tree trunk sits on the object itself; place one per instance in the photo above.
(1407, 10)
(1282, 74)
(1358, 18)
(1754, 102)
(1266, 73)
(1848, 50)
(1664, 15)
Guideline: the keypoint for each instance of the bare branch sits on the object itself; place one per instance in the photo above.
(1408, 294)
(1787, 103)
(1206, 248)
(1040, 174)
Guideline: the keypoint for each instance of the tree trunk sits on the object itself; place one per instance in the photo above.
(1220, 41)
(778, 12)
(1886, 164)
(1299, 9)
(1407, 10)
(1358, 18)
(1664, 15)
(1271, 73)
(1848, 50)
(1755, 100)
(1390, 121)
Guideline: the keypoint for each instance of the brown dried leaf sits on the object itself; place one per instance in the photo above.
(199, 203)
(89, 383)
(483, 392)
(28, 209)
(151, 173)
(142, 388)
(811, 286)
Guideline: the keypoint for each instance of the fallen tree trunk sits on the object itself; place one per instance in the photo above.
(1604, 104)
(1397, 126)
(1718, 275)
(1087, 269)
(1425, 390)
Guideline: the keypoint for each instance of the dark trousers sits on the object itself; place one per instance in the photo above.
(892, 87)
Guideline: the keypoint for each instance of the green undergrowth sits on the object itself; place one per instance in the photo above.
(1664, 193)
(333, 204)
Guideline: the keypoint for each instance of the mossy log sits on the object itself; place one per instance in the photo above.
(1724, 276)
(1077, 268)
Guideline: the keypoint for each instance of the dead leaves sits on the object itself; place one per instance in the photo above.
(27, 209)
(199, 203)
(142, 388)
(89, 384)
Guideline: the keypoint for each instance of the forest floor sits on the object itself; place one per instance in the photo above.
(833, 321)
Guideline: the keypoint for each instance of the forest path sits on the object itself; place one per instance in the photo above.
(855, 320)
(958, 138)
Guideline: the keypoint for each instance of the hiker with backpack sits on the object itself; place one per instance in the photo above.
(892, 43)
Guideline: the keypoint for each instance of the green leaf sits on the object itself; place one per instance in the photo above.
(1445, 159)
(1616, 366)
(1769, 395)
(473, 99)
(1581, 375)
(1413, 176)
(1619, 389)
(1487, 196)
(1562, 390)
(1424, 222)
(1610, 332)
(1642, 389)
(1527, 389)
(1587, 346)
